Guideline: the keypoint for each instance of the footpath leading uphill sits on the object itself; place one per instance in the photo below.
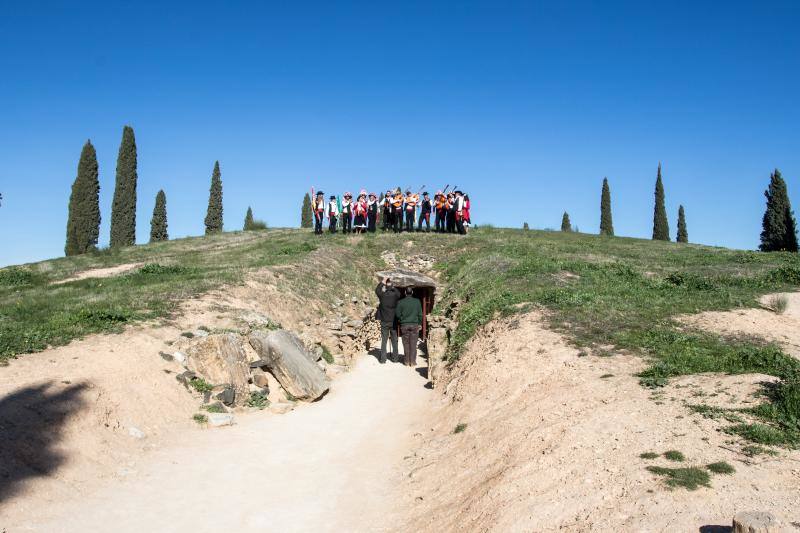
(326, 466)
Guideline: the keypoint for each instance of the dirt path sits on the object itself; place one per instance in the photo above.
(323, 467)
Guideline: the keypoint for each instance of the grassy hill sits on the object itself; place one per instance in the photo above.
(605, 294)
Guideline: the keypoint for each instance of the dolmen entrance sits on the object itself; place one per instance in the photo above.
(424, 289)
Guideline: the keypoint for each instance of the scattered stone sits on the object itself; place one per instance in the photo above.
(335, 324)
(354, 299)
(200, 333)
(337, 303)
(257, 320)
(166, 357)
(294, 367)
(135, 432)
(260, 378)
(227, 396)
(221, 359)
(185, 377)
(220, 419)
(755, 522)
(179, 357)
(355, 323)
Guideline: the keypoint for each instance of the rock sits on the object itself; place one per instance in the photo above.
(755, 522)
(200, 333)
(179, 357)
(293, 366)
(260, 378)
(337, 303)
(406, 278)
(354, 300)
(220, 359)
(354, 323)
(228, 395)
(257, 320)
(166, 357)
(185, 377)
(135, 432)
(335, 324)
(220, 419)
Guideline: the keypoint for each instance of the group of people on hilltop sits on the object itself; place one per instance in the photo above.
(397, 211)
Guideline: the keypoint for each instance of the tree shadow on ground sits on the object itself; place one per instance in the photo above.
(32, 420)
(716, 529)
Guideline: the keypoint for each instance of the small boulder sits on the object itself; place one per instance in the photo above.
(220, 419)
(220, 359)
(756, 522)
(288, 360)
(227, 395)
(135, 432)
(355, 323)
(260, 378)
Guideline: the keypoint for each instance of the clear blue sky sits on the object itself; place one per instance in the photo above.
(525, 105)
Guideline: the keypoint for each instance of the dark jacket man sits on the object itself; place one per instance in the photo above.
(388, 297)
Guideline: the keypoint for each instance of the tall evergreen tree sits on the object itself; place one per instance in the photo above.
(606, 222)
(248, 219)
(123, 210)
(214, 213)
(83, 220)
(306, 220)
(566, 225)
(158, 224)
(779, 228)
(683, 235)
(525, 226)
(660, 223)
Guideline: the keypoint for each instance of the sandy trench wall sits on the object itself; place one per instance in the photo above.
(552, 441)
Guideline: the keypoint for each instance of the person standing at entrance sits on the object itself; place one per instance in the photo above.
(388, 296)
(409, 314)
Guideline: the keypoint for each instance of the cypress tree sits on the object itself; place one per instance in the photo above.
(123, 210)
(83, 220)
(779, 228)
(660, 223)
(606, 222)
(525, 226)
(158, 224)
(214, 213)
(683, 235)
(305, 214)
(248, 219)
(566, 225)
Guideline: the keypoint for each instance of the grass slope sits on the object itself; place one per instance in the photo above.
(604, 293)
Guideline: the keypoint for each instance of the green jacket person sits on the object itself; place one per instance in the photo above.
(409, 315)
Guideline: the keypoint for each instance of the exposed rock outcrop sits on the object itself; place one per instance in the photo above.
(295, 368)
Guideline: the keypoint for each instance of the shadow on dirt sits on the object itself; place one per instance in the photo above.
(31, 423)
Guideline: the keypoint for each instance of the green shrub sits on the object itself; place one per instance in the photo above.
(201, 385)
(674, 455)
(721, 467)
(690, 478)
(257, 400)
(200, 418)
(152, 269)
(326, 355)
(16, 277)
(460, 428)
(648, 455)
